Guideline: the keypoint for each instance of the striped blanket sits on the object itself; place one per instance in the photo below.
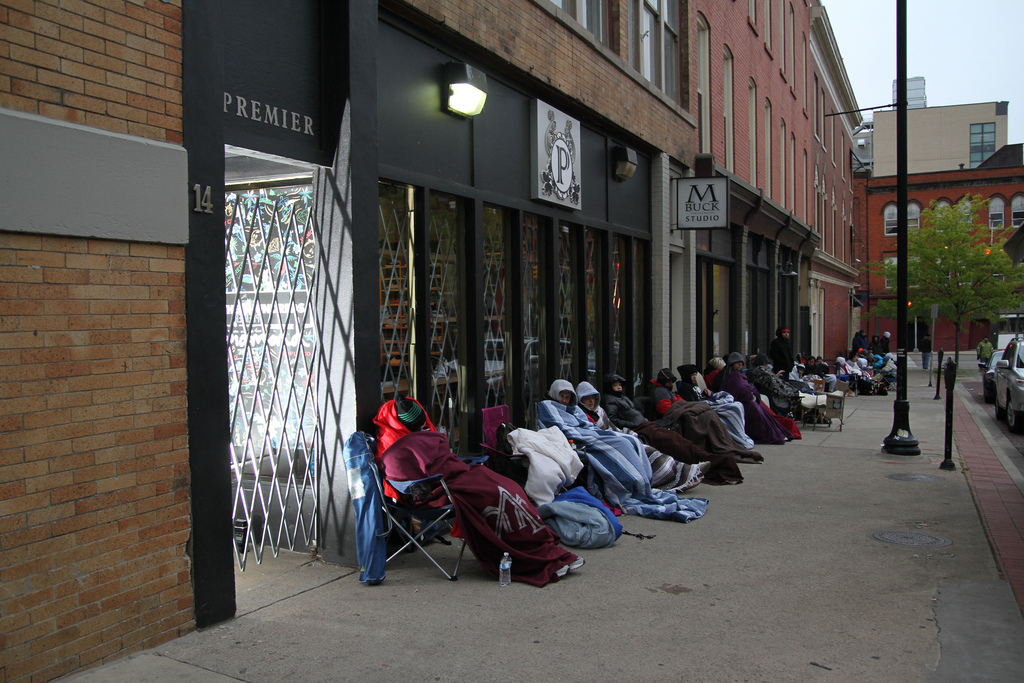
(620, 473)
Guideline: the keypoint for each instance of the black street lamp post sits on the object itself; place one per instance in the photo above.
(900, 440)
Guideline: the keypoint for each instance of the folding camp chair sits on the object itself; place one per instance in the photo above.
(500, 459)
(417, 523)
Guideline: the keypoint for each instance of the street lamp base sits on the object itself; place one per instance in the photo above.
(900, 441)
(947, 465)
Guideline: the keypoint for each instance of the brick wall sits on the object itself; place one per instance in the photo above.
(94, 508)
(94, 478)
(111, 64)
(539, 41)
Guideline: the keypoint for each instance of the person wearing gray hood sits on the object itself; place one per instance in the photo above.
(723, 468)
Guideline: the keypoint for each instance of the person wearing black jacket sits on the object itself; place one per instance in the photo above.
(925, 346)
(781, 353)
(860, 341)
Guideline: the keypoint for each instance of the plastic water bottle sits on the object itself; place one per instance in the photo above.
(505, 570)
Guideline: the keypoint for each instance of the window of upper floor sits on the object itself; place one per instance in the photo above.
(727, 108)
(655, 45)
(913, 215)
(1017, 211)
(983, 142)
(703, 83)
(593, 15)
(996, 213)
(891, 216)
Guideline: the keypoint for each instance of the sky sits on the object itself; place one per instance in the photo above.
(968, 52)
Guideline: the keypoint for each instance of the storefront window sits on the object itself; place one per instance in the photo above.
(618, 249)
(532, 340)
(394, 226)
(496, 369)
(443, 326)
(566, 304)
(641, 344)
(594, 308)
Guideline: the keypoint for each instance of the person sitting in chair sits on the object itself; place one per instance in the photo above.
(619, 472)
(762, 425)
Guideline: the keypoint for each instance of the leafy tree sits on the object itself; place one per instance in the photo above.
(955, 260)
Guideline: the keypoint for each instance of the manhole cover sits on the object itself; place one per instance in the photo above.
(911, 538)
(910, 476)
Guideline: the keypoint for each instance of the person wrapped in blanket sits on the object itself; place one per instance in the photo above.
(666, 473)
(619, 472)
(762, 425)
(624, 417)
(724, 405)
(492, 512)
(783, 397)
(695, 420)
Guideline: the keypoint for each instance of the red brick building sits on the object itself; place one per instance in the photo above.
(775, 108)
(999, 181)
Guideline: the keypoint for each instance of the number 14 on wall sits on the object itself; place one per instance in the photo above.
(202, 199)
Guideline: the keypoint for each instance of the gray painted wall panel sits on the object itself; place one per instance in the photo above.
(60, 178)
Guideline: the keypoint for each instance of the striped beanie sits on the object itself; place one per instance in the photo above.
(410, 413)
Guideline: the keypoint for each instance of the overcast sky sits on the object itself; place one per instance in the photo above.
(967, 51)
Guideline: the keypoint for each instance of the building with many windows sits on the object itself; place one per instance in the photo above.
(999, 180)
(941, 138)
(775, 108)
(218, 191)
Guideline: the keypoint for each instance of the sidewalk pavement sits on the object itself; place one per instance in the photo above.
(782, 580)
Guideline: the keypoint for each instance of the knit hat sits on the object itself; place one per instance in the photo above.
(735, 357)
(886, 335)
(665, 375)
(687, 371)
(410, 413)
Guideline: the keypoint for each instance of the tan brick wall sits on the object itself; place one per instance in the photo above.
(111, 64)
(94, 499)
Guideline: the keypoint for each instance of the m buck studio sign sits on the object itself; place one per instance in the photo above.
(702, 203)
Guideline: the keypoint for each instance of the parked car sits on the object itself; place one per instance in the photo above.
(988, 378)
(1010, 386)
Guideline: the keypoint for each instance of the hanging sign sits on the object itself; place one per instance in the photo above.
(701, 203)
(555, 156)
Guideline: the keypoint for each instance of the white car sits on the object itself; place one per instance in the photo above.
(1010, 386)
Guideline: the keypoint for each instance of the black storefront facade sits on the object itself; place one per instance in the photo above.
(439, 272)
(747, 276)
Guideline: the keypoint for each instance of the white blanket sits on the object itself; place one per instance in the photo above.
(553, 462)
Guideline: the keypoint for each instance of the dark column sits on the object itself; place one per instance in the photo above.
(208, 414)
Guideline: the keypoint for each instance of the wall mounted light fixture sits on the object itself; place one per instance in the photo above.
(623, 163)
(788, 270)
(467, 89)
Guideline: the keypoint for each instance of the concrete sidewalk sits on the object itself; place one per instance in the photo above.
(782, 580)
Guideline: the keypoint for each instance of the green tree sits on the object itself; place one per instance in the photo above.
(956, 261)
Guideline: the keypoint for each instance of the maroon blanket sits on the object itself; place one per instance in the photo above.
(492, 511)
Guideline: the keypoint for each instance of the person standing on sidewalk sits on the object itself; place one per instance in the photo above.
(984, 353)
(925, 346)
(883, 343)
(781, 353)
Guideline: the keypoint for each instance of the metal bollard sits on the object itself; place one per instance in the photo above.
(938, 380)
(947, 460)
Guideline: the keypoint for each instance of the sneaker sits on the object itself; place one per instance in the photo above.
(572, 566)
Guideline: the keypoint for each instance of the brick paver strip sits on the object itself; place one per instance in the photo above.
(999, 501)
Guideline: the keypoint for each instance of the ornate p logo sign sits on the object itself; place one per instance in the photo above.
(555, 156)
